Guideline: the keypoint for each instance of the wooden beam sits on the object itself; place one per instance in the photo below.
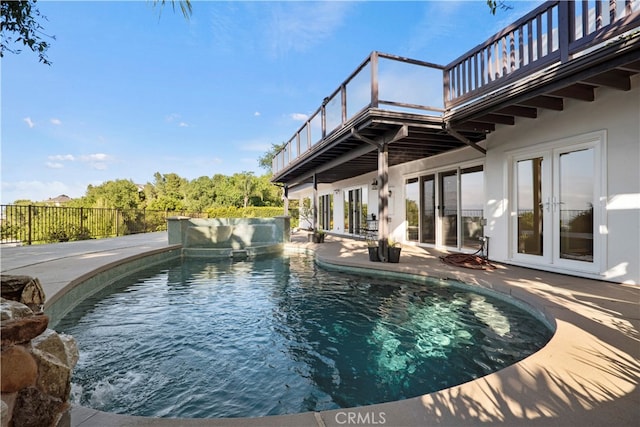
(497, 118)
(519, 111)
(389, 137)
(464, 139)
(578, 91)
(544, 101)
(475, 126)
(634, 67)
(616, 79)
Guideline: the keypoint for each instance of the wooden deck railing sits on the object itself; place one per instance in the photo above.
(381, 79)
(554, 32)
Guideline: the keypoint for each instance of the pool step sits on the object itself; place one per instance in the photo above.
(239, 254)
(234, 254)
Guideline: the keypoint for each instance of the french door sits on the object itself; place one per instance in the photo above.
(556, 195)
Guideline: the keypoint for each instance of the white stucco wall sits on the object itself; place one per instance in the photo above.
(618, 114)
(614, 113)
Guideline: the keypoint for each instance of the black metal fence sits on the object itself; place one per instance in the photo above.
(33, 224)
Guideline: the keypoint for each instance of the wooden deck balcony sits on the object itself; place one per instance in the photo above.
(562, 49)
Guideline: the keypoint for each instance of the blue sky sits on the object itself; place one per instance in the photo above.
(136, 89)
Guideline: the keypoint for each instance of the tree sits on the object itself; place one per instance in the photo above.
(247, 185)
(224, 192)
(119, 194)
(495, 4)
(19, 23)
(200, 194)
(270, 194)
(266, 161)
(169, 192)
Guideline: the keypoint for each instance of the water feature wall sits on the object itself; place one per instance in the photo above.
(229, 237)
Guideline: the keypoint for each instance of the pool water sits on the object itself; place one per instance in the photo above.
(279, 336)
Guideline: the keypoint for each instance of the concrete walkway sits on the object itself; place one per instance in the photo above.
(587, 375)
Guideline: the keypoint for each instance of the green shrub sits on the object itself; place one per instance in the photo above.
(248, 212)
(57, 235)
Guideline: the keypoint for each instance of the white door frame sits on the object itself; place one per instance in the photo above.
(550, 152)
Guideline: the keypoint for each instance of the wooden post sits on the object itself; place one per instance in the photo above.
(566, 28)
(286, 199)
(383, 201)
(374, 80)
(315, 202)
(343, 103)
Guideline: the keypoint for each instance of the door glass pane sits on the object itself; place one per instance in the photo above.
(428, 209)
(411, 190)
(530, 206)
(331, 212)
(353, 211)
(576, 205)
(326, 212)
(472, 203)
(449, 208)
(321, 208)
(357, 211)
(364, 196)
(347, 212)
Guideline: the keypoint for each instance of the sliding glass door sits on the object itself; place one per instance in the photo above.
(428, 212)
(446, 208)
(449, 208)
(355, 210)
(472, 207)
(325, 211)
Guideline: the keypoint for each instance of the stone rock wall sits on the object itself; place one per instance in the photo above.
(35, 362)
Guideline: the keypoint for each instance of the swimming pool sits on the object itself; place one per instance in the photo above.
(280, 335)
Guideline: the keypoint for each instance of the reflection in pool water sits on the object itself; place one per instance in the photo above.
(280, 335)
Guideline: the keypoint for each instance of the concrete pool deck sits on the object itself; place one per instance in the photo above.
(587, 375)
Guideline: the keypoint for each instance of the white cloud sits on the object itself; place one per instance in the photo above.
(38, 190)
(97, 157)
(175, 118)
(257, 114)
(62, 157)
(101, 166)
(299, 117)
(29, 122)
(276, 28)
(300, 26)
(172, 117)
(56, 122)
(97, 161)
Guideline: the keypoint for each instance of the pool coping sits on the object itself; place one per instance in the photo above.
(588, 373)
